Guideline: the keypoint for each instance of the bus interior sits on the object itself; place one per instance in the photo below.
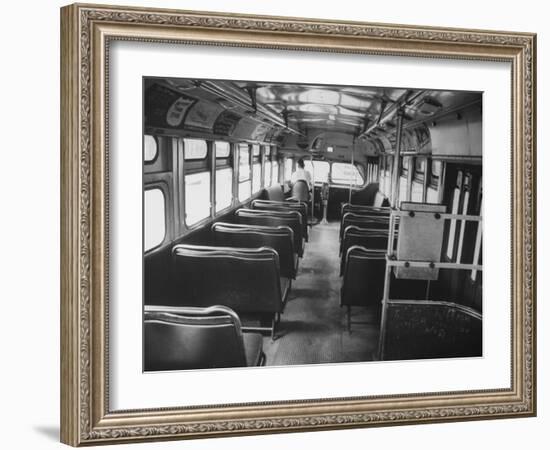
(376, 256)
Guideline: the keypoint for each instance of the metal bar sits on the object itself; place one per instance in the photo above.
(385, 299)
(445, 216)
(312, 189)
(397, 160)
(433, 265)
(353, 164)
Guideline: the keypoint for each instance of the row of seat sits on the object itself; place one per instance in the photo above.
(363, 245)
(246, 273)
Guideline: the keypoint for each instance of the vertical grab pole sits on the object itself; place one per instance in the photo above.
(397, 160)
(312, 188)
(353, 164)
(382, 338)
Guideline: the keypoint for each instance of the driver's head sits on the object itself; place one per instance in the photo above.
(301, 163)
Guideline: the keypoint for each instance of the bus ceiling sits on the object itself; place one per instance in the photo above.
(321, 121)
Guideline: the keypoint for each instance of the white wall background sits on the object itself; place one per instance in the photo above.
(29, 229)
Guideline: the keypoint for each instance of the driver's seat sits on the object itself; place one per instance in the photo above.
(300, 191)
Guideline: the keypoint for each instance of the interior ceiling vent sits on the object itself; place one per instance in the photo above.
(429, 106)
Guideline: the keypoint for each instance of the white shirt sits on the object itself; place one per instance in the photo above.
(301, 174)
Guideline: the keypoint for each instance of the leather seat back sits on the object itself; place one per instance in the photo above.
(280, 238)
(363, 282)
(364, 221)
(365, 237)
(300, 191)
(243, 279)
(192, 338)
(301, 207)
(275, 193)
(293, 219)
(368, 210)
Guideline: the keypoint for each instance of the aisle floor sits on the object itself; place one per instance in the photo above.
(313, 327)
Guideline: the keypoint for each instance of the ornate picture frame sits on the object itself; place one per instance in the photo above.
(86, 34)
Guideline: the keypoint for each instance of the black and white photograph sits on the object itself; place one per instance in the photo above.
(295, 224)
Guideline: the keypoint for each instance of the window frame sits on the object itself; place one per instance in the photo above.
(157, 152)
(201, 221)
(163, 189)
(194, 160)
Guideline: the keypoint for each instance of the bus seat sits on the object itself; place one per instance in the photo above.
(362, 209)
(280, 238)
(293, 219)
(366, 195)
(301, 207)
(178, 338)
(246, 280)
(363, 280)
(300, 191)
(275, 193)
(364, 221)
(365, 237)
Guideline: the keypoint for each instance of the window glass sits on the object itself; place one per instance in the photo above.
(274, 173)
(267, 150)
(150, 148)
(256, 177)
(222, 149)
(416, 192)
(244, 191)
(319, 170)
(194, 148)
(420, 166)
(432, 195)
(255, 150)
(405, 160)
(154, 220)
(244, 162)
(288, 169)
(436, 168)
(267, 173)
(465, 203)
(224, 188)
(345, 174)
(197, 197)
(402, 189)
(454, 210)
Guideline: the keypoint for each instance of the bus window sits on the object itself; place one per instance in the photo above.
(267, 173)
(465, 203)
(255, 150)
(416, 191)
(155, 222)
(454, 210)
(319, 170)
(267, 150)
(432, 196)
(274, 173)
(197, 197)
(345, 174)
(222, 149)
(288, 168)
(150, 148)
(402, 189)
(256, 177)
(224, 184)
(194, 149)
(244, 172)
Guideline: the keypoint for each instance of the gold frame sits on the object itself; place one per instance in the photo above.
(86, 31)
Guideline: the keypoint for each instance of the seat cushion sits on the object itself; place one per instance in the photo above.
(253, 348)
